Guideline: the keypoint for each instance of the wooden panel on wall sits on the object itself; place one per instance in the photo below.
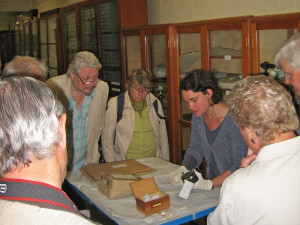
(133, 13)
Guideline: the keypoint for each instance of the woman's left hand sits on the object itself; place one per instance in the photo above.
(246, 161)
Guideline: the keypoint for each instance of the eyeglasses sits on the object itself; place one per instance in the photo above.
(288, 75)
(138, 90)
(87, 82)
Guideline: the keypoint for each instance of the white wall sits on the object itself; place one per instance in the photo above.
(46, 5)
(9, 9)
(175, 11)
(15, 5)
(7, 20)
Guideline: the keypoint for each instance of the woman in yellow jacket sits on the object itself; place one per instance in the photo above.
(140, 132)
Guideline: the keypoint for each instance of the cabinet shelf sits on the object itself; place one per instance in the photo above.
(186, 120)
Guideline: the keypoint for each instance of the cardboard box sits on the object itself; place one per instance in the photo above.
(148, 187)
(132, 166)
(115, 184)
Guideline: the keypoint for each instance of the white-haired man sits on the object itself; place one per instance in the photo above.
(33, 156)
(25, 66)
(85, 97)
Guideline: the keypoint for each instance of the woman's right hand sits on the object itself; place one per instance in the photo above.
(246, 161)
(175, 175)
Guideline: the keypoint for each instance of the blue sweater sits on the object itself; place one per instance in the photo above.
(228, 148)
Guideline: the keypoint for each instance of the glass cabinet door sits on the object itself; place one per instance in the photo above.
(27, 39)
(157, 66)
(69, 34)
(110, 42)
(17, 39)
(22, 40)
(35, 39)
(268, 35)
(133, 53)
(189, 59)
(269, 43)
(43, 40)
(226, 58)
(226, 51)
(88, 31)
(52, 47)
(48, 43)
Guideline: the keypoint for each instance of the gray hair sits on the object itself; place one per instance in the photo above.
(29, 120)
(139, 77)
(25, 66)
(264, 106)
(290, 52)
(83, 59)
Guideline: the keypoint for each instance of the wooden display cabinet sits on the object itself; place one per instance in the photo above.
(221, 45)
(94, 26)
(233, 46)
(132, 13)
(187, 46)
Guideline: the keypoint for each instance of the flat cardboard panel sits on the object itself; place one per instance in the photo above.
(127, 166)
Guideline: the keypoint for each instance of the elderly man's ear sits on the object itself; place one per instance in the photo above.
(62, 131)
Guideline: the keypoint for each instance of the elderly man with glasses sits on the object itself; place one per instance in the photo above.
(84, 96)
(288, 60)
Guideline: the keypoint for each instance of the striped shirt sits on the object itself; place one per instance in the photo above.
(80, 124)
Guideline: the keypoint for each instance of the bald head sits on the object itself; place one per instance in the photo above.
(25, 66)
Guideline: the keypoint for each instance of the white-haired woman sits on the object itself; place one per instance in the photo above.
(267, 191)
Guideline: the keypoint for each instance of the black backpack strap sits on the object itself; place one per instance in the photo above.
(155, 104)
(120, 106)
